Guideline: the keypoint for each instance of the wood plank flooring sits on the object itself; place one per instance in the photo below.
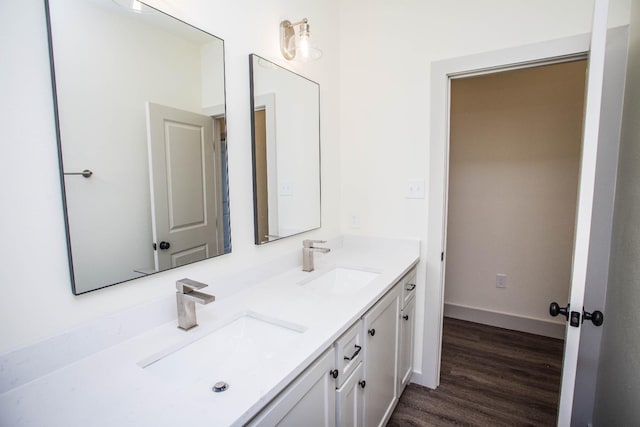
(489, 377)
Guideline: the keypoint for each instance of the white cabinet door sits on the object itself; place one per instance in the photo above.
(309, 401)
(407, 331)
(381, 355)
(349, 400)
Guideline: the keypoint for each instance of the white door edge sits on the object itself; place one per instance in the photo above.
(591, 129)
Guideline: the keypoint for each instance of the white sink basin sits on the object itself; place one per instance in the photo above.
(226, 354)
(340, 281)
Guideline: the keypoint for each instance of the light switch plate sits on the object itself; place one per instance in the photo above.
(415, 189)
(354, 220)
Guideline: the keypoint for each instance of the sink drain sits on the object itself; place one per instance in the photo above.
(220, 386)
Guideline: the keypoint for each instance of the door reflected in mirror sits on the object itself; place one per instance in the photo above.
(286, 151)
(140, 102)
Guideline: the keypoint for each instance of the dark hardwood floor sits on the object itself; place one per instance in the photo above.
(489, 377)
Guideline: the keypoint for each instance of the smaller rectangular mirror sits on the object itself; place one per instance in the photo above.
(285, 124)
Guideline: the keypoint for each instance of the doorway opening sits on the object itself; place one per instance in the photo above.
(515, 139)
(514, 159)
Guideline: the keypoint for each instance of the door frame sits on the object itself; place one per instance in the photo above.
(617, 42)
(566, 49)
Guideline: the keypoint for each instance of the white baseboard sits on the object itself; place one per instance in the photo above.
(504, 320)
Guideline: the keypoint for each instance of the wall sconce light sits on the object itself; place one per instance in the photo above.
(288, 45)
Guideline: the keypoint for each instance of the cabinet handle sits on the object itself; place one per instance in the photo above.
(334, 373)
(355, 353)
(362, 383)
(405, 317)
(372, 332)
(410, 286)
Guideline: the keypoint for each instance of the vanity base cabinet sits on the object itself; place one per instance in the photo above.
(349, 400)
(309, 401)
(407, 332)
(358, 381)
(381, 358)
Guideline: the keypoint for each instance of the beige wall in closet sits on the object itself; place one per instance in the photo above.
(514, 160)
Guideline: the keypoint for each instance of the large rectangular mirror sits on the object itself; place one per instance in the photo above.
(285, 125)
(139, 99)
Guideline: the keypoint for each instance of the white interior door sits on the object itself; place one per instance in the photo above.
(591, 128)
(183, 191)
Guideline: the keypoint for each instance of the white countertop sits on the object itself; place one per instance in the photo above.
(109, 388)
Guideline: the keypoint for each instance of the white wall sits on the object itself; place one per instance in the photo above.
(384, 100)
(618, 386)
(37, 300)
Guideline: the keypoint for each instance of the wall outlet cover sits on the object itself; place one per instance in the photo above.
(286, 188)
(415, 189)
(501, 281)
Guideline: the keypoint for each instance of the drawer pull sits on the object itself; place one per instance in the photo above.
(372, 332)
(334, 373)
(410, 287)
(355, 353)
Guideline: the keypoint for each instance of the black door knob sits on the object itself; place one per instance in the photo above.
(555, 309)
(165, 245)
(372, 332)
(333, 373)
(362, 383)
(597, 318)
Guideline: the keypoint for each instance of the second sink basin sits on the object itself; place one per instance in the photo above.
(226, 354)
(340, 281)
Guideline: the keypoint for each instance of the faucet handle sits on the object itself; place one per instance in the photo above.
(308, 243)
(184, 286)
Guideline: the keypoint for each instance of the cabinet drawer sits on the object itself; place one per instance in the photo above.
(348, 352)
(408, 283)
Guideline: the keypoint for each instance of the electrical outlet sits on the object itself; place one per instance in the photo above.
(286, 188)
(501, 281)
(415, 189)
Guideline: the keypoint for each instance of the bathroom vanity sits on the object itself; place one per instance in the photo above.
(328, 347)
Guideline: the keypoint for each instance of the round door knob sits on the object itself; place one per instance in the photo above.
(334, 373)
(555, 309)
(362, 383)
(372, 332)
(165, 245)
(405, 317)
(597, 318)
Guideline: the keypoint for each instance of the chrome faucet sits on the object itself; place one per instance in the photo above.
(307, 253)
(186, 297)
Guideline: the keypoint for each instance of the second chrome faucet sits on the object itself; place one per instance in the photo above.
(186, 297)
(307, 253)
